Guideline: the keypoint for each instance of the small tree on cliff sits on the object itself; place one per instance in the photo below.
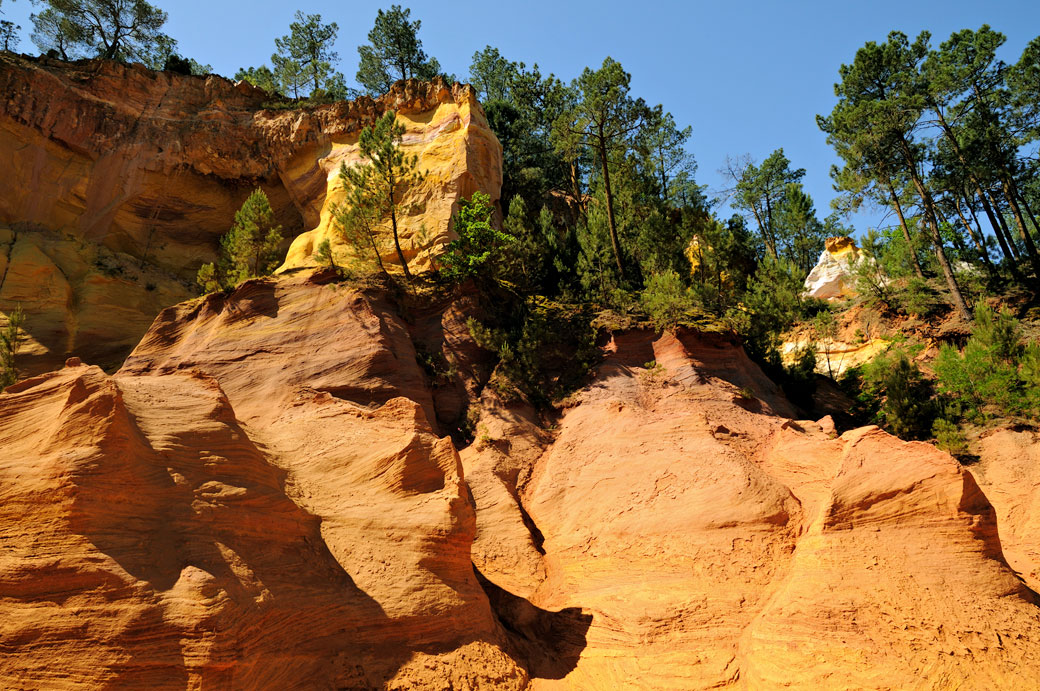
(479, 249)
(374, 188)
(309, 45)
(395, 52)
(9, 347)
(249, 249)
(111, 29)
(8, 37)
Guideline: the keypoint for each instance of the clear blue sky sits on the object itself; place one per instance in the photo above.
(748, 76)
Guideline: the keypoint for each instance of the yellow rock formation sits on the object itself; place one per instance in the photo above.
(458, 155)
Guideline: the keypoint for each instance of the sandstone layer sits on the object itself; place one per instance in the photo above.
(153, 166)
(262, 497)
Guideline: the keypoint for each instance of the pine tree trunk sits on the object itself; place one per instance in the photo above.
(392, 184)
(906, 231)
(1027, 239)
(1029, 212)
(610, 206)
(1006, 246)
(1003, 225)
(983, 254)
(768, 226)
(933, 225)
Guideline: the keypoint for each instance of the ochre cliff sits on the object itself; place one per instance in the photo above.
(262, 497)
(150, 167)
(713, 543)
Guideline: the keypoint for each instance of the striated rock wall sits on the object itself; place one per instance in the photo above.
(261, 498)
(154, 165)
(709, 542)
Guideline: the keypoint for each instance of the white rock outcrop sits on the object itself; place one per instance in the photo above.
(832, 278)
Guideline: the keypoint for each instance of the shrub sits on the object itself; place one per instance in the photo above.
(901, 397)
(949, 437)
(774, 302)
(665, 299)
(996, 371)
(479, 248)
(543, 353)
(917, 298)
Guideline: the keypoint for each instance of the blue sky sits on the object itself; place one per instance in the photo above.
(748, 76)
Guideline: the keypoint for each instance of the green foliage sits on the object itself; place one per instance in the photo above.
(603, 121)
(774, 302)
(306, 51)
(492, 75)
(721, 256)
(373, 189)
(872, 282)
(539, 255)
(249, 249)
(261, 76)
(394, 52)
(799, 234)
(902, 397)
(479, 249)
(917, 298)
(950, 438)
(9, 347)
(323, 255)
(665, 300)
(544, 352)
(761, 191)
(181, 65)
(9, 35)
(112, 29)
(996, 373)
(826, 328)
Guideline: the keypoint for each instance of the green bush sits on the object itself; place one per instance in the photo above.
(543, 352)
(774, 303)
(250, 248)
(665, 299)
(949, 437)
(479, 249)
(996, 373)
(917, 298)
(893, 389)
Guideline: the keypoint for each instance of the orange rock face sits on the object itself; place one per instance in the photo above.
(712, 543)
(193, 522)
(261, 498)
(149, 168)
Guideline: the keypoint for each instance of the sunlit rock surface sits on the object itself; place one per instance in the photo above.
(146, 170)
(832, 277)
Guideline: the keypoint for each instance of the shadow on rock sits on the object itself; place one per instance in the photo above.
(547, 643)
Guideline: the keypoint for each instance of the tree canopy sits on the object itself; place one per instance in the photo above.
(394, 52)
(112, 29)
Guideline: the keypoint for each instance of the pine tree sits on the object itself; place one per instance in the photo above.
(307, 50)
(249, 249)
(395, 52)
(604, 120)
(111, 29)
(8, 35)
(374, 186)
(879, 102)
